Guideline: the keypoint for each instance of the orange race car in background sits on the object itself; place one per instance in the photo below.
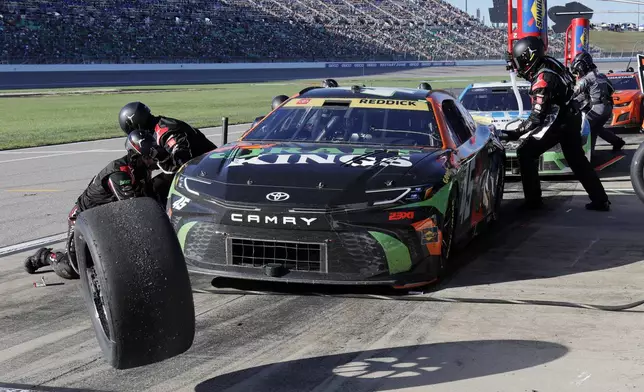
(627, 100)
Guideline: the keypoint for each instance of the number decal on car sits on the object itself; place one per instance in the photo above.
(468, 183)
(179, 204)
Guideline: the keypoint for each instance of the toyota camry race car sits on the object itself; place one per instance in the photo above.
(496, 104)
(628, 102)
(342, 186)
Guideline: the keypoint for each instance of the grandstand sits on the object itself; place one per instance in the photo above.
(136, 31)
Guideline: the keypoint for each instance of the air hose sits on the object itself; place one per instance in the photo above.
(418, 296)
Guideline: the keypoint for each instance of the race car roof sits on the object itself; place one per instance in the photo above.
(367, 92)
(521, 83)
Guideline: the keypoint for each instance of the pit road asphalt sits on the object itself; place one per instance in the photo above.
(274, 343)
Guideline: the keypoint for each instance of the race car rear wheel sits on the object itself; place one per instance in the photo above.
(134, 282)
(637, 172)
(498, 192)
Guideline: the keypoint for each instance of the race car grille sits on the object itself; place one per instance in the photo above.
(295, 256)
(202, 241)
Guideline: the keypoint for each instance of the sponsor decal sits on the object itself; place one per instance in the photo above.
(180, 203)
(257, 150)
(396, 104)
(278, 196)
(581, 33)
(330, 159)
(401, 64)
(538, 11)
(271, 219)
(386, 102)
(429, 235)
(402, 215)
(125, 182)
(446, 177)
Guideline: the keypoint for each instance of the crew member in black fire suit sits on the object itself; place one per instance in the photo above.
(552, 87)
(124, 178)
(594, 93)
(180, 141)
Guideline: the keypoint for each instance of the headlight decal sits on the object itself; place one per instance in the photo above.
(438, 201)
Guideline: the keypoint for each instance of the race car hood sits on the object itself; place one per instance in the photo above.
(314, 175)
(624, 96)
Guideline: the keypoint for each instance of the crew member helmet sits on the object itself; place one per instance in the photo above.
(133, 116)
(527, 55)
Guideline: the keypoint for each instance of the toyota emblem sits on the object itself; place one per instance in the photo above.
(277, 196)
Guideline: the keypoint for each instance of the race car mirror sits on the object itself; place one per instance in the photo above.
(640, 69)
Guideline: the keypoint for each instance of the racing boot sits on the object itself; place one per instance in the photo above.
(62, 267)
(38, 260)
(595, 206)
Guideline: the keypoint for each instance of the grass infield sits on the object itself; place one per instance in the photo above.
(55, 116)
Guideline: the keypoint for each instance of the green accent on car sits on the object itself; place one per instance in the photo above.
(397, 253)
(182, 233)
(439, 200)
(173, 191)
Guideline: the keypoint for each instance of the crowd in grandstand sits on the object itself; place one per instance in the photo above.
(125, 31)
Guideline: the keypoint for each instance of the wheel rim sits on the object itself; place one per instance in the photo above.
(98, 301)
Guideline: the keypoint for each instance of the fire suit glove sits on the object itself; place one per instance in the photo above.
(159, 153)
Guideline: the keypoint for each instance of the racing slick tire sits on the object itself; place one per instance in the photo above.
(134, 282)
(500, 188)
(637, 172)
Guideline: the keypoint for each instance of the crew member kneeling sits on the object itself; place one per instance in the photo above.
(124, 178)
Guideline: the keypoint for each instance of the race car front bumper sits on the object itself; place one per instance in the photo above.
(362, 257)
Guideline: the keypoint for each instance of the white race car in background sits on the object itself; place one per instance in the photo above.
(496, 103)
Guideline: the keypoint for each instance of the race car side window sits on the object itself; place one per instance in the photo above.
(457, 124)
(471, 124)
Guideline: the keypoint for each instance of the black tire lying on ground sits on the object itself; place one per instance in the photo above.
(637, 172)
(135, 282)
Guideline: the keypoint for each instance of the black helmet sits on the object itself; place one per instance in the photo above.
(277, 101)
(424, 86)
(329, 83)
(582, 64)
(140, 143)
(134, 115)
(526, 55)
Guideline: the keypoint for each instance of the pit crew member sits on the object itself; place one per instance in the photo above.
(594, 93)
(124, 178)
(180, 141)
(552, 86)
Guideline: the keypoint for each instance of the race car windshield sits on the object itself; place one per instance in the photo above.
(624, 82)
(491, 99)
(344, 122)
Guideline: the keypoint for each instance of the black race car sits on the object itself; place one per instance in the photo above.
(340, 185)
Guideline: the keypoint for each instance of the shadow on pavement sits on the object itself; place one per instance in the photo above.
(563, 239)
(399, 367)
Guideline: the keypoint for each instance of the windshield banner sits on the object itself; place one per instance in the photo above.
(375, 103)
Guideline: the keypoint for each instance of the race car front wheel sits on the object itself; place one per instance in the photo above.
(637, 172)
(134, 282)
